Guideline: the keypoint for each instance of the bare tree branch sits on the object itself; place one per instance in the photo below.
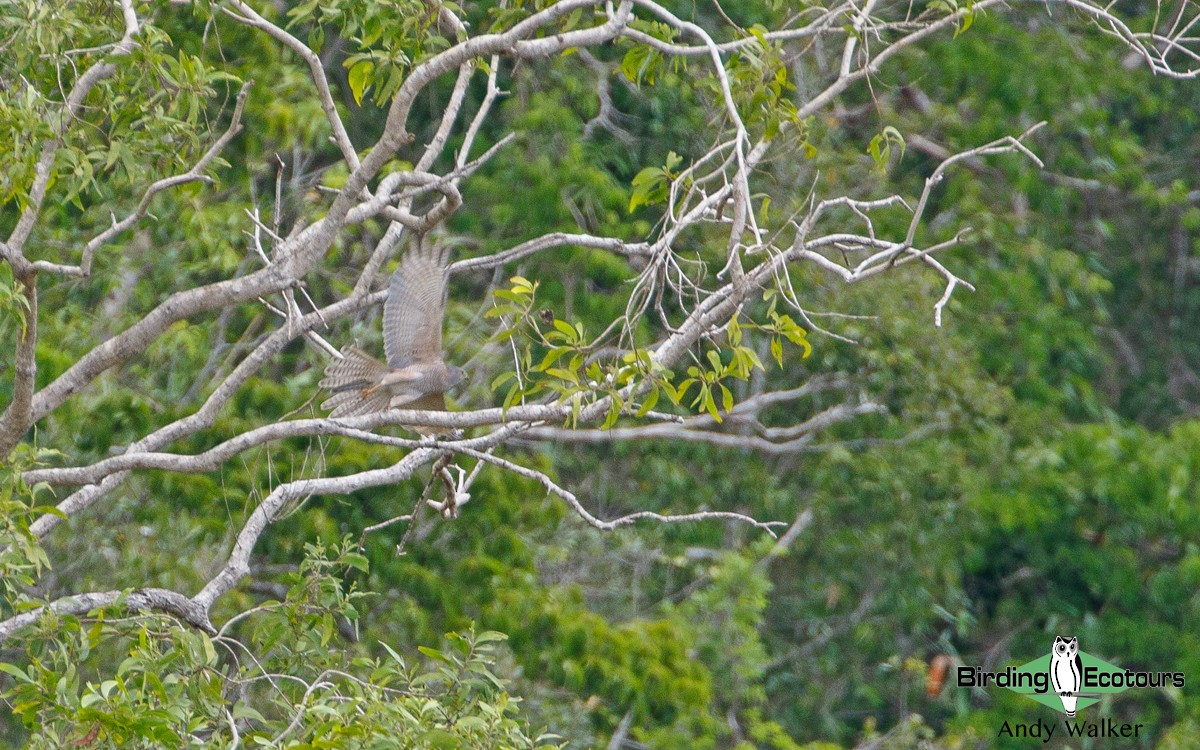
(852, 43)
(156, 600)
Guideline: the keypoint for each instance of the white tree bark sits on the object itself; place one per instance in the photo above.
(717, 191)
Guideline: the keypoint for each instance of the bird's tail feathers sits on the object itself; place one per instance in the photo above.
(353, 380)
(356, 370)
(356, 403)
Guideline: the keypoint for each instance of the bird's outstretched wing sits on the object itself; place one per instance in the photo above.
(412, 315)
(354, 381)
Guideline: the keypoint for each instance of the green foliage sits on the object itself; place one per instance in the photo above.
(653, 184)
(153, 120)
(965, 13)
(570, 369)
(643, 63)
(14, 305)
(758, 80)
(300, 691)
(22, 558)
(641, 666)
(389, 42)
(880, 147)
(566, 369)
(1033, 471)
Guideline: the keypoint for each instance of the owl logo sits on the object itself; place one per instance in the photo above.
(1066, 671)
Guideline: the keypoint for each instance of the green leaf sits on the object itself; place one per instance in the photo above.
(566, 328)
(356, 561)
(561, 374)
(650, 186)
(683, 389)
(714, 359)
(209, 651)
(512, 397)
(649, 402)
(434, 654)
(440, 738)
(641, 63)
(359, 78)
(15, 671)
(753, 357)
(499, 311)
(672, 393)
(967, 19)
(880, 147)
(391, 652)
(244, 711)
(550, 358)
(614, 413)
(501, 379)
(735, 331)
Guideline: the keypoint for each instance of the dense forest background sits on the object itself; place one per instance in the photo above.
(1033, 467)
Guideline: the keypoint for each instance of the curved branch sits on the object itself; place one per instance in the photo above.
(250, 17)
(196, 173)
(238, 564)
(150, 599)
(43, 171)
(16, 418)
(626, 520)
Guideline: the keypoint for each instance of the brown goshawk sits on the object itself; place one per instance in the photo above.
(415, 377)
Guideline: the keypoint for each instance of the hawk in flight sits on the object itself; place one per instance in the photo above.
(415, 377)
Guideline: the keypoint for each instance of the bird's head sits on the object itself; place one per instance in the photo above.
(454, 376)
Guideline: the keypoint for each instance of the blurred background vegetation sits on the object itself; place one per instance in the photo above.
(1037, 471)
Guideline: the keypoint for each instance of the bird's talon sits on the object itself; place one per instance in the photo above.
(447, 508)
